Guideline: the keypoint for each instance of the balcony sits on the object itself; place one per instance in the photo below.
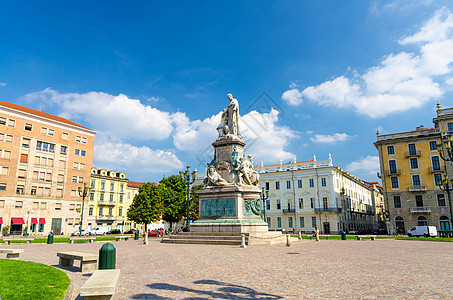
(436, 169)
(107, 203)
(417, 188)
(289, 211)
(393, 172)
(415, 210)
(328, 209)
(416, 153)
(105, 218)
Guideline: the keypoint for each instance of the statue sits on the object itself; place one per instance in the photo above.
(213, 178)
(229, 124)
(246, 174)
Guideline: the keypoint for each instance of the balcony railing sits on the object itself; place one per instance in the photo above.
(413, 153)
(436, 169)
(289, 210)
(393, 172)
(110, 203)
(417, 188)
(328, 209)
(106, 217)
(415, 210)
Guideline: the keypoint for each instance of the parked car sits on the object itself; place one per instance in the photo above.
(76, 233)
(423, 231)
(157, 233)
(131, 231)
(98, 231)
(114, 231)
(380, 231)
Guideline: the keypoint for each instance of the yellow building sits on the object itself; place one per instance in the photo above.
(44, 159)
(107, 205)
(410, 169)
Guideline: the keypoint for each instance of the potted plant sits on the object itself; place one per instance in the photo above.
(5, 230)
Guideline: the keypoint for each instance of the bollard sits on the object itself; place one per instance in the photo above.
(288, 240)
(50, 239)
(107, 256)
(243, 241)
(145, 240)
(343, 235)
(136, 236)
(300, 235)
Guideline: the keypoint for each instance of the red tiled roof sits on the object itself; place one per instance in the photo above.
(135, 184)
(40, 114)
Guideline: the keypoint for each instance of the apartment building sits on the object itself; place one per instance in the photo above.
(44, 159)
(107, 206)
(309, 194)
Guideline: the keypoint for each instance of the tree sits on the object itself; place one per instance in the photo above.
(194, 202)
(147, 205)
(173, 193)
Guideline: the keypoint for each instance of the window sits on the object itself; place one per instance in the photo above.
(437, 179)
(61, 164)
(267, 186)
(101, 197)
(78, 207)
(111, 197)
(414, 163)
(422, 221)
(440, 200)
(121, 198)
(65, 136)
(90, 210)
(290, 222)
(394, 181)
(279, 222)
(60, 193)
(28, 127)
(299, 183)
(93, 182)
(288, 184)
(43, 205)
(301, 222)
(277, 185)
(26, 143)
(42, 146)
(101, 211)
(81, 139)
(5, 154)
(33, 190)
(92, 196)
(450, 126)
(268, 204)
(122, 188)
(80, 152)
(18, 204)
(325, 204)
(433, 146)
(278, 204)
(392, 167)
(419, 200)
(112, 186)
(47, 131)
(120, 211)
(2, 203)
(397, 201)
(60, 178)
(11, 123)
(436, 163)
(2, 121)
(313, 222)
(73, 193)
(57, 206)
(2, 186)
(416, 180)
(6, 138)
(24, 158)
(301, 203)
(390, 150)
(20, 190)
(21, 173)
(63, 150)
(102, 185)
(312, 182)
(110, 211)
(312, 202)
(78, 166)
(323, 182)
(412, 149)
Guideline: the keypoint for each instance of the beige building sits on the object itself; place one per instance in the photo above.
(44, 159)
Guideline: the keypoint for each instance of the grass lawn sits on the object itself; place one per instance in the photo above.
(28, 280)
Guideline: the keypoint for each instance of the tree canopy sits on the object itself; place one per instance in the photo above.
(147, 206)
(173, 194)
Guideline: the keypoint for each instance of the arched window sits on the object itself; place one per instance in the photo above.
(422, 221)
(444, 223)
(399, 225)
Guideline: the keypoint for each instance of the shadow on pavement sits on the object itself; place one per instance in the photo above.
(219, 290)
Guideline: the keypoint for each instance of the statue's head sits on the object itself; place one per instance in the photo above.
(250, 156)
(230, 97)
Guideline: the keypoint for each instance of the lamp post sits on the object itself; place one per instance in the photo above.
(264, 196)
(444, 185)
(188, 180)
(83, 193)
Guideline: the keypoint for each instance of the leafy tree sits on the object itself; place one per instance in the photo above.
(147, 206)
(194, 202)
(173, 193)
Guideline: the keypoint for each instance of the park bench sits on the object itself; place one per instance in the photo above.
(88, 262)
(125, 237)
(12, 253)
(72, 239)
(373, 237)
(101, 285)
(8, 240)
(359, 238)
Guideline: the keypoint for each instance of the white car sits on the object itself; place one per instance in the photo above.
(76, 233)
(98, 231)
(423, 231)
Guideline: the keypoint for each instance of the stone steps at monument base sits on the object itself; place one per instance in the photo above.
(194, 237)
(203, 241)
(235, 234)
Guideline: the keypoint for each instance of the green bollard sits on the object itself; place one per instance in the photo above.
(137, 235)
(50, 239)
(343, 235)
(107, 257)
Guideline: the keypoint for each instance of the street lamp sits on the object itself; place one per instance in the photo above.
(186, 176)
(444, 185)
(264, 196)
(448, 145)
(83, 193)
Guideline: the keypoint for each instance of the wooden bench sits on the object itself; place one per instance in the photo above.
(373, 237)
(8, 240)
(12, 253)
(88, 262)
(125, 237)
(359, 238)
(101, 285)
(71, 240)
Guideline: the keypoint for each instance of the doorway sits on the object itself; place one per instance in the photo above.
(326, 228)
(444, 223)
(399, 224)
(56, 226)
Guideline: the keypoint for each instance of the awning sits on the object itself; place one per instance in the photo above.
(34, 220)
(1, 220)
(42, 221)
(17, 221)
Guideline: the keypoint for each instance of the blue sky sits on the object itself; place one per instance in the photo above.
(311, 77)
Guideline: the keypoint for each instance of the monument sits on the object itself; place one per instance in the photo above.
(230, 201)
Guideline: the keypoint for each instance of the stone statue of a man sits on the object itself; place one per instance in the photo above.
(229, 124)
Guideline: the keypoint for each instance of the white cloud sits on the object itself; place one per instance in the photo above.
(330, 139)
(401, 81)
(2, 83)
(369, 164)
(293, 96)
(118, 116)
(132, 159)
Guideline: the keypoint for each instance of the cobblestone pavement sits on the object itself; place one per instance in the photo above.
(381, 269)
